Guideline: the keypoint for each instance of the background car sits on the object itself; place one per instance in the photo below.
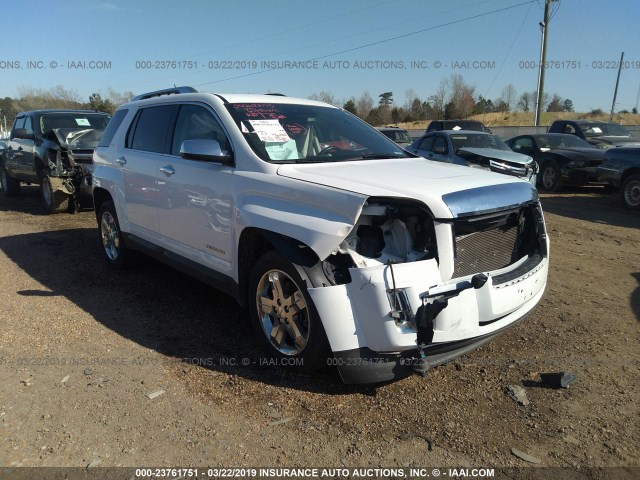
(561, 158)
(599, 134)
(474, 149)
(399, 135)
(53, 149)
(621, 168)
(474, 125)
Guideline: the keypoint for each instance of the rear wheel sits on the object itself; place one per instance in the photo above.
(113, 244)
(284, 316)
(631, 192)
(55, 201)
(10, 186)
(550, 177)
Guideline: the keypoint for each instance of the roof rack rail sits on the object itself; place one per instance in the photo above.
(276, 94)
(166, 91)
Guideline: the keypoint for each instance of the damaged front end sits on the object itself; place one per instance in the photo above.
(69, 159)
(421, 290)
(500, 161)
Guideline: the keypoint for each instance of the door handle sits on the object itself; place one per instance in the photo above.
(168, 170)
(121, 160)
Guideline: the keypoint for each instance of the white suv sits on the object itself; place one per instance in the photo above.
(347, 250)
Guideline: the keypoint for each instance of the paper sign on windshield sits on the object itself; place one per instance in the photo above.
(83, 122)
(269, 131)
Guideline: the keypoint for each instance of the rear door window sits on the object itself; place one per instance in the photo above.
(152, 130)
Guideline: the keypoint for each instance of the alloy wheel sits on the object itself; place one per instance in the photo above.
(110, 236)
(283, 312)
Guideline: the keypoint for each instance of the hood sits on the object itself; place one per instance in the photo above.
(505, 155)
(416, 178)
(74, 139)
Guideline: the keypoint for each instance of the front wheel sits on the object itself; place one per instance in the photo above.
(550, 177)
(631, 192)
(284, 316)
(55, 201)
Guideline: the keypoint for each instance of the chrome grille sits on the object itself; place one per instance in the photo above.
(485, 251)
(83, 155)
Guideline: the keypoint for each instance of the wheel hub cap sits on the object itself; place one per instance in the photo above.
(632, 193)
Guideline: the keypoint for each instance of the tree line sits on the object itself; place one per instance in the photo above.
(59, 97)
(453, 99)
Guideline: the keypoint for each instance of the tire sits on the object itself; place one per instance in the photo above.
(550, 177)
(113, 244)
(283, 315)
(631, 192)
(10, 186)
(54, 201)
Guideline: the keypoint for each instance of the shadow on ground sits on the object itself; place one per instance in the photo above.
(635, 297)
(156, 307)
(582, 204)
(30, 202)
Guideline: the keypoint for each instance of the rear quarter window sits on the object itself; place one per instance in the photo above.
(112, 128)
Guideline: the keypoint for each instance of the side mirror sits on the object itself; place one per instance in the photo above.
(204, 150)
(23, 134)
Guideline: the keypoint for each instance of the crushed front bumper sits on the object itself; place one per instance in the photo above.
(371, 344)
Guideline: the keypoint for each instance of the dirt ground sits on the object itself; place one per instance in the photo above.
(82, 347)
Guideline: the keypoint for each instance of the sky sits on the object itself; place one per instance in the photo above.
(302, 47)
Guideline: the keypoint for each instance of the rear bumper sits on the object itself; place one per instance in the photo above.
(580, 175)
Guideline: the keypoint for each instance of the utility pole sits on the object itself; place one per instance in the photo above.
(615, 93)
(544, 26)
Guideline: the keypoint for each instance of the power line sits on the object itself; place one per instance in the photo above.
(368, 31)
(278, 33)
(509, 51)
(379, 42)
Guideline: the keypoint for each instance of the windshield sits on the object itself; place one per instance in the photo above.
(398, 136)
(603, 130)
(561, 141)
(477, 140)
(286, 133)
(73, 121)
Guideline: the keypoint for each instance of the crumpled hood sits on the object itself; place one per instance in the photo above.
(498, 154)
(424, 180)
(77, 139)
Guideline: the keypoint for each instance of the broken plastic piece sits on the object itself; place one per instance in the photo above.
(155, 394)
(525, 456)
(557, 380)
